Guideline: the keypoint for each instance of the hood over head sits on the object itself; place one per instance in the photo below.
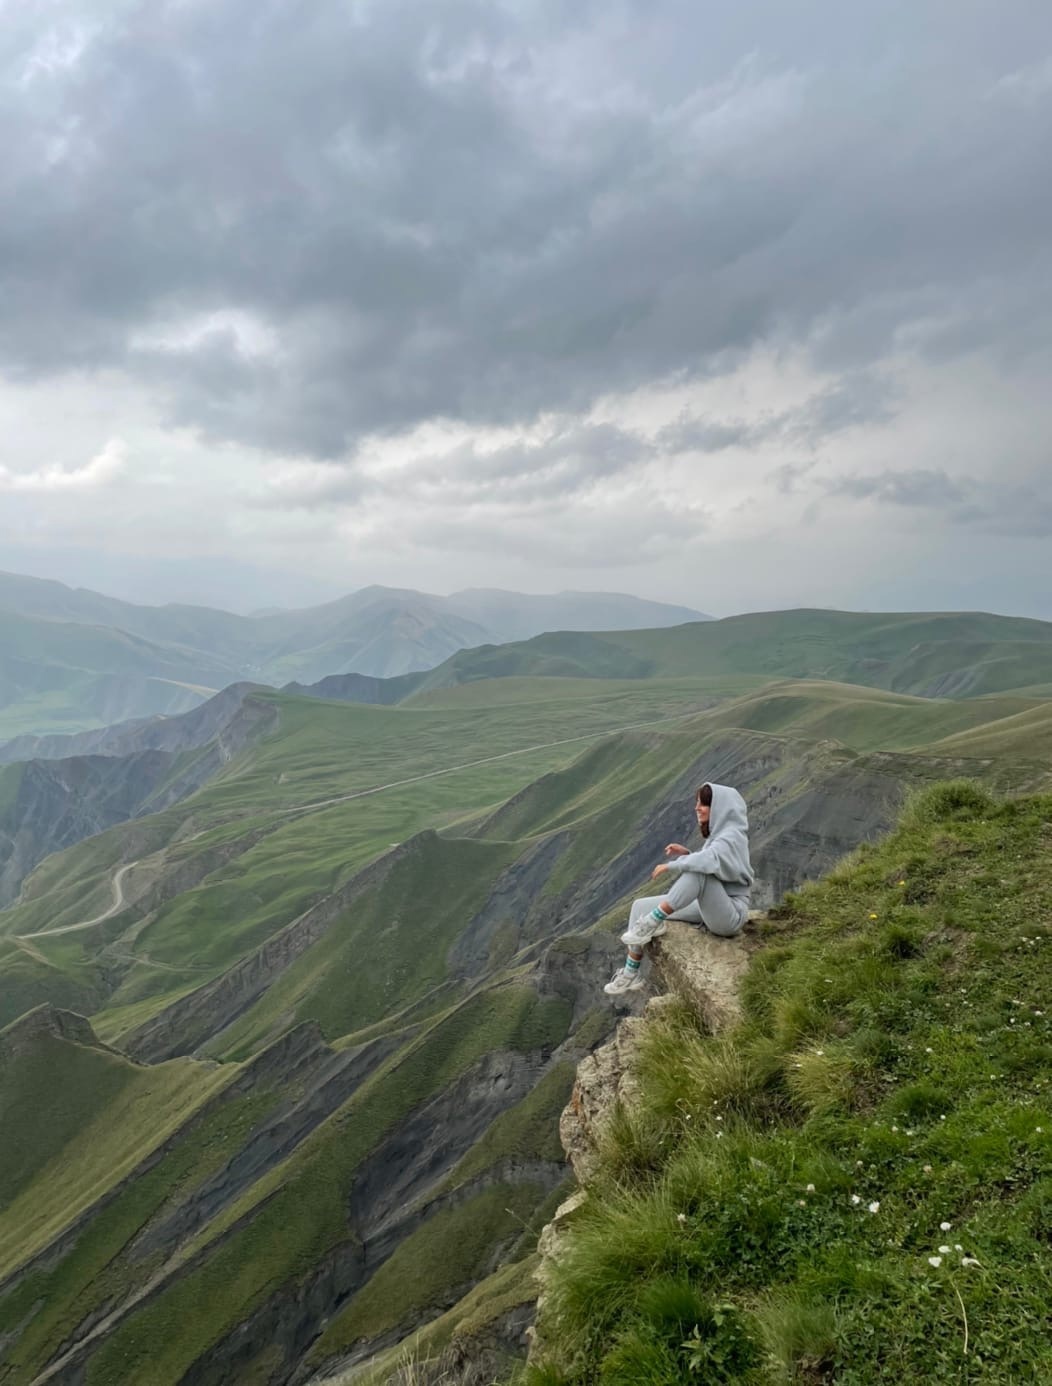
(728, 811)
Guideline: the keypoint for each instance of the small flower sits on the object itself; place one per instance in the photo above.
(894, 1128)
(910, 1131)
(855, 1198)
(957, 1246)
(820, 1052)
(681, 1218)
(969, 1261)
(872, 916)
(935, 1261)
(1039, 1130)
(929, 1050)
(688, 1116)
(874, 1207)
(719, 1118)
(945, 1226)
(801, 1202)
(944, 1251)
(927, 1169)
(858, 1164)
(719, 1135)
(902, 882)
(810, 1188)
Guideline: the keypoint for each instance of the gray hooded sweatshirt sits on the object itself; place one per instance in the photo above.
(725, 854)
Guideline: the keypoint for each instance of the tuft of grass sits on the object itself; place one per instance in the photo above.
(799, 1334)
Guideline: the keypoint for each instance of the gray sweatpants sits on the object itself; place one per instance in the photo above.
(698, 900)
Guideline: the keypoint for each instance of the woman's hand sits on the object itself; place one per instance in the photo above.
(676, 849)
(658, 870)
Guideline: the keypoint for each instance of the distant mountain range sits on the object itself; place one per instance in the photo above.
(71, 659)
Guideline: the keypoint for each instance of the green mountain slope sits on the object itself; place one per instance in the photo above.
(380, 934)
(955, 654)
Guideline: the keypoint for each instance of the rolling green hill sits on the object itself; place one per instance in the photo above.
(952, 654)
(346, 984)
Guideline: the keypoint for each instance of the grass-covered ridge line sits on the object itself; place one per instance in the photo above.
(855, 1184)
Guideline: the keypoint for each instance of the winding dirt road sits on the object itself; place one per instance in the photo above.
(118, 878)
(116, 885)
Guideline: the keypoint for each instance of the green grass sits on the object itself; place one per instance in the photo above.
(894, 1055)
(49, 1303)
(433, 1266)
(387, 950)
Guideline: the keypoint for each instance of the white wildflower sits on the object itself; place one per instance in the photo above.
(855, 1199)
(969, 1261)
(944, 1251)
(810, 1188)
(927, 1169)
(945, 1226)
(874, 1207)
(935, 1261)
(957, 1246)
(681, 1217)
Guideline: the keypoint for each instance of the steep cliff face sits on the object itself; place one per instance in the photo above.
(181, 732)
(689, 964)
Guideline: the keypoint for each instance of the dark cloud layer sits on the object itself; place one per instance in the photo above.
(298, 224)
(1007, 509)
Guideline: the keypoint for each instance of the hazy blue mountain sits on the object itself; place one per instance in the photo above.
(73, 659)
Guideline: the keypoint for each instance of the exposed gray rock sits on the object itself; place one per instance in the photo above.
(60, 802)
(181, 732)
(23, 1035)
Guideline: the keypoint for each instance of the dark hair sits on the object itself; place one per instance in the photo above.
(705, 797)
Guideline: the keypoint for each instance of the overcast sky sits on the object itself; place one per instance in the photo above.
(735, 306)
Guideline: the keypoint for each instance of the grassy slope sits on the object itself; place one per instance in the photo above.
(971, 653)
(884, 1102)
(76, 1119)
(299, 1209)
(324, 750)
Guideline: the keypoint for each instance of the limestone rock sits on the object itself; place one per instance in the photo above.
(604, 1078)
(706, 971)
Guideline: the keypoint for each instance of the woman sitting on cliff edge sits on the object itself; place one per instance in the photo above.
(711, 887)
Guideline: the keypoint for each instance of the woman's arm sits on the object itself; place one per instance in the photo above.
(703, 861)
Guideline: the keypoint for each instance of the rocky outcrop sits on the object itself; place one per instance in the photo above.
(23, 1035)
(687, 963)
(605, 1081)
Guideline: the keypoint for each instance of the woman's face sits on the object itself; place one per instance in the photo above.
(703, 811)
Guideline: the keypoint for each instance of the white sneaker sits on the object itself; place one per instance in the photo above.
(640, 933)
(623, 980)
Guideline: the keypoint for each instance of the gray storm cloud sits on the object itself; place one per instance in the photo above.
(297, 225)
